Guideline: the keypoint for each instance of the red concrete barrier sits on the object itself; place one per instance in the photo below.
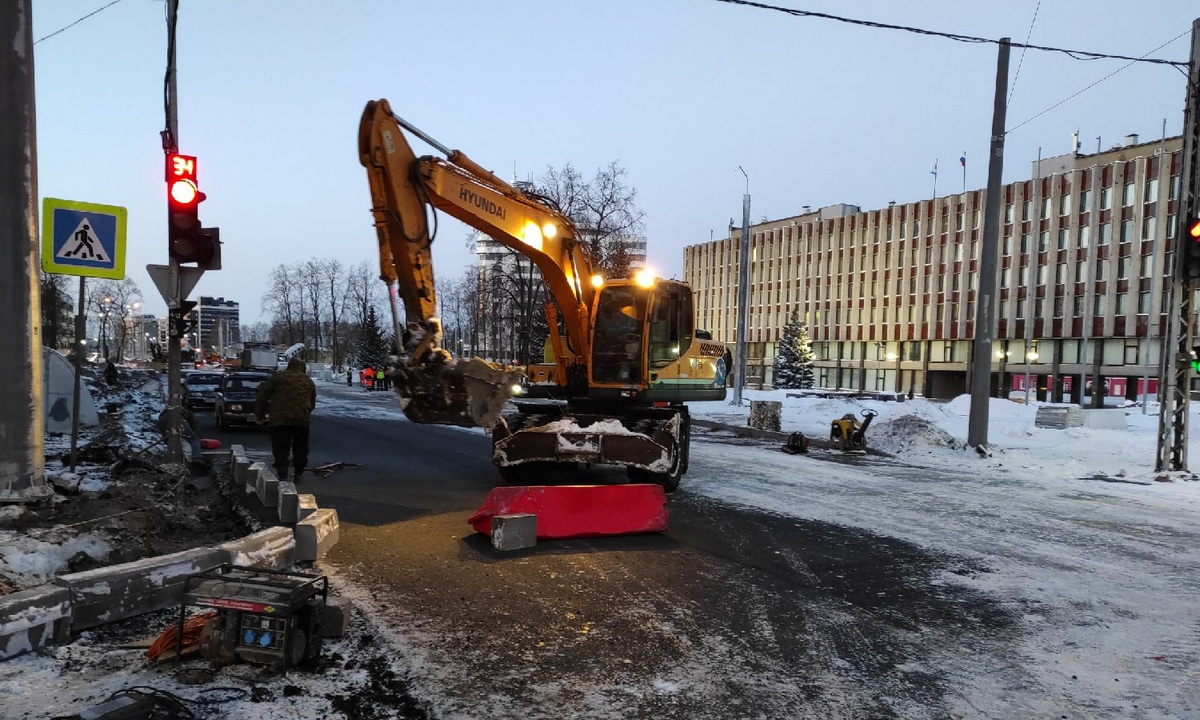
(574, 511)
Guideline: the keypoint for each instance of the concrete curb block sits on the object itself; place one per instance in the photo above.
(315, 534)
(240, 469)
(307, 506)
(252, 476)
(268, 487)
(273, 548)
(117, 592)
(33, 619)
(288, 503)
(235, 452)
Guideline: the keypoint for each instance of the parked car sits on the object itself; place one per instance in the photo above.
(200, 389)
(235, 397)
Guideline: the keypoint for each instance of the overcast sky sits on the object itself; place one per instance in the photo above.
(679, 92)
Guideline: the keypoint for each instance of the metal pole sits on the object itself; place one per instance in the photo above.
(22, 424)
(1163, 164)
(174, 357)
(1031, 289)
(985, 310)
(742, 297)
(80, 334)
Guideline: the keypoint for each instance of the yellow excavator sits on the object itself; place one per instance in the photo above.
(626, 352)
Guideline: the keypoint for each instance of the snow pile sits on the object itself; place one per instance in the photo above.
(907, 434)
(31, 561)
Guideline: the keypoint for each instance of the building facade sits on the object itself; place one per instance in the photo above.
(218, 325)
(889, 295)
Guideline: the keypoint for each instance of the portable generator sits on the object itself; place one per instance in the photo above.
(264, 616)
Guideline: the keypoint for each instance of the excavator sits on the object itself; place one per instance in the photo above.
(626, 352)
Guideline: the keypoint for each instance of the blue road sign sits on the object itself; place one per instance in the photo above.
(83, 239)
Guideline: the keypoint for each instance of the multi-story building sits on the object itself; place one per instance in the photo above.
(889, 295)
(218, 325)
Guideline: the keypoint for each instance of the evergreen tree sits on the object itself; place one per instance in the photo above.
(372, 347)
(794, 361)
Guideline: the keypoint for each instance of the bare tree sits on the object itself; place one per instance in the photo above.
(284, 301)
(256, 332)
(603, 209)
(333, 279)
(113, 302)
(57, 310)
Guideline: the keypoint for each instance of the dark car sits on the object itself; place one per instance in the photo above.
(200, 389)
(235, 397)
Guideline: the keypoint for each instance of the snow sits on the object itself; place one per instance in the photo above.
(1074, 527)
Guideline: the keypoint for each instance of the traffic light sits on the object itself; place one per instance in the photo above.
(1195, 361)
(1189, 257)
(179, 322)
(188, 243)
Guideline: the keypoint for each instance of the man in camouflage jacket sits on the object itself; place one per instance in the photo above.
(287, 400)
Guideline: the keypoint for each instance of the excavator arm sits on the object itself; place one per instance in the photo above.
(406, 190)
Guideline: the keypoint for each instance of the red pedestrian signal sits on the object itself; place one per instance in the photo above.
(1194, 230)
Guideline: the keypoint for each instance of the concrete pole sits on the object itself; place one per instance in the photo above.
(743, 313)
(174, 356)
(985, 310)
(22, 449)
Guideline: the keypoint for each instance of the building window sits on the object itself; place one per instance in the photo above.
(1039, 307)
(1105, 198)
(1079, 268)
(1023, 276)
(1085, 201)
(1105, 234)
(1064, 204)
(1077, 306)
(1149, 228)
(1147, 265)
(1027, 210)
(1008, 214)
(1151, 194)
(1085, 235)
(1120, 304)
(1100, 270)
(1045, 208)
(1060, 274)
(1098, 306)
(1126, 231)
(1058, 307)
(1008, 243)
(1043, 273)
(1024, 243)
(1123, 268)
(1144, 303)
(1127, 196)
(1007, 281)
(1064, 235)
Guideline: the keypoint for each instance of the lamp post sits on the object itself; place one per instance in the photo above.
(1002, 356)
(1030, 356)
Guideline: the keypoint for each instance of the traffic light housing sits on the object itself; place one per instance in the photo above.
(1190, 254)
(188, 241)
(179, 322)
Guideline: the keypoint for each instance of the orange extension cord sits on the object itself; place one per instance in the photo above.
(168, 641)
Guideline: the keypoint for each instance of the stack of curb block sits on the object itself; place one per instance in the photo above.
(55, 612)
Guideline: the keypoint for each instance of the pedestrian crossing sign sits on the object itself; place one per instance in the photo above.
(81, 238)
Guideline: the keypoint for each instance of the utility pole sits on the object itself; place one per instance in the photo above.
(743, 313)
(174, 357)
(22, 448)
(985, 308)
(1174, 391)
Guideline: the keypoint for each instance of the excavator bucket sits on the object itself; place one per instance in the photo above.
(468, 393)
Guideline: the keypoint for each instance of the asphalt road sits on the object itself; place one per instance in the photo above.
(731, 613)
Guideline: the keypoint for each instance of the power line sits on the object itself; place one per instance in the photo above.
(68, 27)
(1021, 62)
(1076, 54)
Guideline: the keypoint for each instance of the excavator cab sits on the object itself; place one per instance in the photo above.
(618, 337)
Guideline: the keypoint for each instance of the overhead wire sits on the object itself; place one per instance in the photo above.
(958, 37)
(71, 25)
(1021, 61)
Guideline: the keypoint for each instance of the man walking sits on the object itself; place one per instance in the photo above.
(287, 400)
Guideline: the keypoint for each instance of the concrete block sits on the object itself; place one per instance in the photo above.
(308, 505)
(273, 548)
(252, 476)
(514, 532)
(1058, 417)
(337, 617)
(235, 452)
(1105, 419)
(288, 503)
(240, 468)
(316, 534)
(114, 593)
(268, 487)
(765, 414)
(34, 618)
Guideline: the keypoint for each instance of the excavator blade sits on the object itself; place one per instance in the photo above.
(468, 393)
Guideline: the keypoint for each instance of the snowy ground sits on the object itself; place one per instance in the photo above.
(1106, 571)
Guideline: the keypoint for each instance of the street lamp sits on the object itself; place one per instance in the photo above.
(1002, 355)
(1031, 355)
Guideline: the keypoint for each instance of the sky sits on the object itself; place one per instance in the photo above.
(1068, 526)
(686, 95)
